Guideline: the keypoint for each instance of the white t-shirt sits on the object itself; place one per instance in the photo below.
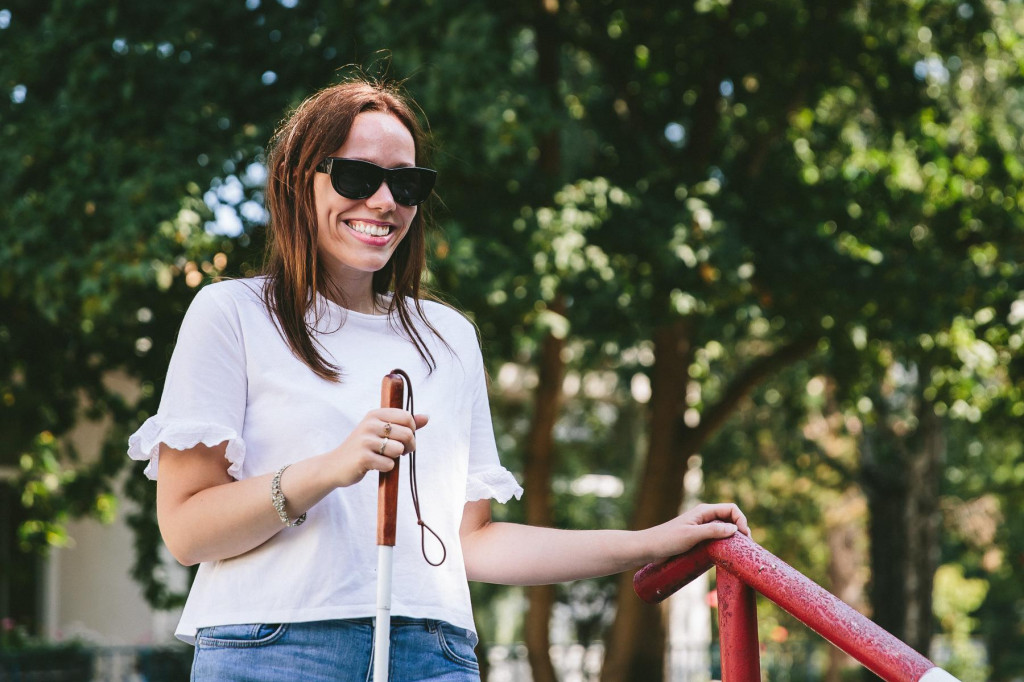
(233, 378)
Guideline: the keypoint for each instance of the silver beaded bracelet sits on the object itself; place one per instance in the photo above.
(277, 497)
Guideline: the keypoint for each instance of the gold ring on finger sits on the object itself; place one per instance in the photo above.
(387, 429)
(383, 444)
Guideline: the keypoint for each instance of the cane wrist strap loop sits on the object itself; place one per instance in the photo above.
(414, 488)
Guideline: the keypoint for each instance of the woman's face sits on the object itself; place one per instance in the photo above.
(356, 237)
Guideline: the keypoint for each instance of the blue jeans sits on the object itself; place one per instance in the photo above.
(335, 651)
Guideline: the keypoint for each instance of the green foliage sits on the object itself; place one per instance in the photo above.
(956, 597)
(23, 655)
(50, 492)
(26, 657)
(845, 172)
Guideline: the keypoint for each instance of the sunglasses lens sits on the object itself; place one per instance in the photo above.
(355, 179)
(411, 186)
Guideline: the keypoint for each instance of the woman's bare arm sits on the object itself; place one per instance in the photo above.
(516, 554)
(205, 515)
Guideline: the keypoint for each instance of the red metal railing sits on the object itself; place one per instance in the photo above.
(745, 567)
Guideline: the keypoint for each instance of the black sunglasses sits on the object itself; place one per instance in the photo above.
(354, 179)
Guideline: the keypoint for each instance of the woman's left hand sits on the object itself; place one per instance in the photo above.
(684, 532)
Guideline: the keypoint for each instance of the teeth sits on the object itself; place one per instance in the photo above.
(369, 229)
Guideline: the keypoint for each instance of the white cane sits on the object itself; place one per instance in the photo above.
(387, 514)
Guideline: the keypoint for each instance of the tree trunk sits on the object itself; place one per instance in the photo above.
(901, 478)
(537, 474)
(845, 559)
(536, 629)
(636, 643)
(481, 654)
(923, 527)
(887, 496)
(540, 452)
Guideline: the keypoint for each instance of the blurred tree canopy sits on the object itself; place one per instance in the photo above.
(783, 238)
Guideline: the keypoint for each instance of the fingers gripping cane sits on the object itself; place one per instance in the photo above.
(387, 516)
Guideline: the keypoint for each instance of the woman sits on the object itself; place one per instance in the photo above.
(267, 429)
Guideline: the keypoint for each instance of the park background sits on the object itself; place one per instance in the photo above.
(770, 248)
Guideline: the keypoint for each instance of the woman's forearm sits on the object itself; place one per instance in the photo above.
(205, 515)
(514, 554)
(231, 517)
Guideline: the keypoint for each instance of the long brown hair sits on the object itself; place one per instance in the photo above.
(312, 132)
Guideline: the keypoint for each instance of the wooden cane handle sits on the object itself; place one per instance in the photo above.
(391, 391)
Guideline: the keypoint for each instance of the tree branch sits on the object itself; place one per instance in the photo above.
(745, 382)
(847, 473)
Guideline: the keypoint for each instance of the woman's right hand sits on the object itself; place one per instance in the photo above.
(362, 451)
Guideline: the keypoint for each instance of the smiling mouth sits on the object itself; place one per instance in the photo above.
(370, 229)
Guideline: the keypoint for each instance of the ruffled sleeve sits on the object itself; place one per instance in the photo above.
(487, 478)
(181, 434)
(204, 394)
(495, 483)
